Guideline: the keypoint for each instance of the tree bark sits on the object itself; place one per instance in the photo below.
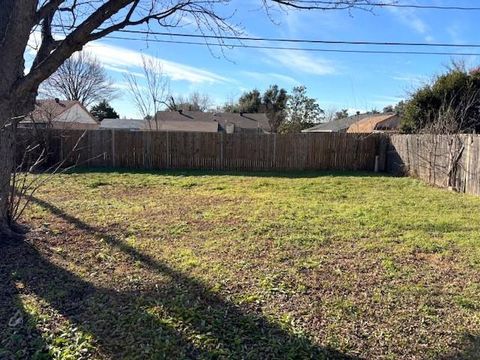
(16, 21)
(7, 154)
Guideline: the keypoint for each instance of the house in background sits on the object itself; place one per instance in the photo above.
(60, 114)
(376, 123)
(122, 124)
(360, 123)
(337, 126)
(171, 125)
(194, 121)
(251, 123)
(227, 122)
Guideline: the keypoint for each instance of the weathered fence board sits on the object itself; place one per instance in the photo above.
(448, 161)
(213, 151)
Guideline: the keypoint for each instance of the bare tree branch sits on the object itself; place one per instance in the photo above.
(81, 78)
(154, 94)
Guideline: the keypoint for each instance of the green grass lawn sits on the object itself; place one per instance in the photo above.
(218, 266)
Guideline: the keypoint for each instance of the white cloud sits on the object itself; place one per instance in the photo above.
(124, 86)
(382, 100)
(300, 62)
(123, 70)
(429, 38)
(120, 58)
(410, 19)
(414, 79)
(456, 32)
(270, 77)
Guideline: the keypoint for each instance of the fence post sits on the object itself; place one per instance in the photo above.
(221, 151)
(274, 150)
(381, 158)
(169, 162)
(113, 148)
(62, 155)
(468, 160)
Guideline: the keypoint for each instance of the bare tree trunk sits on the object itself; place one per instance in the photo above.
(7, 154)
(16, 20)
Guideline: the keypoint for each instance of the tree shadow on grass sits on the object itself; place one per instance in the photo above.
(19, 337)
(178, 318)
(470, 351)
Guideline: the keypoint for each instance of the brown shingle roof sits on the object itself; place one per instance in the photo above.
(375, 122)
(49, 109)
(165, 125)
(122, 124)
(184, 125)
(245, 121)
(339, 125)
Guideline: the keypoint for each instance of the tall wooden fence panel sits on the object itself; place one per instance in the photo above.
(448, 161)
(215, 151)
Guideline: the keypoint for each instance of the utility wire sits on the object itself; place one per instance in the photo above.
(284, 40)
(307, 41)
(266, 47)
(348, 4)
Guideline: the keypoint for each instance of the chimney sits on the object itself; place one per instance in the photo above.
(57, 101)
(230, 128)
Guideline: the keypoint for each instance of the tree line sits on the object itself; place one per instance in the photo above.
(286, 112)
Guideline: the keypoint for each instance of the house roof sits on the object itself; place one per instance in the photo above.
(246, 121)
(240, 120)
(184, 125)
(370, 123)
(125, 124)
(337, 125)
(48, 110)
(166, 125)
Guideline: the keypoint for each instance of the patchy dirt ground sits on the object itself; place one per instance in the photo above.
(261, 266)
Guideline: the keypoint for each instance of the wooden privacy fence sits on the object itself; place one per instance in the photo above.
(448, 161)
(214, 151)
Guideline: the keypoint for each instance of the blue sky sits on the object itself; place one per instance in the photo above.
(353, 81)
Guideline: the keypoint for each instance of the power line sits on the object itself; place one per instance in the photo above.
(266, 47)
(392, 5)
(306, 41)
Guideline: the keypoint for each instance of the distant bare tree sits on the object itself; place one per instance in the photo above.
(151, 96)
(196, 101)
(80, 78)
(342, 114)
(388, 109)
(330, 114)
